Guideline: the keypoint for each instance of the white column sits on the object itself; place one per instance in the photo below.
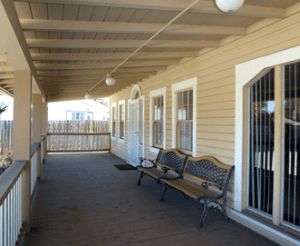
(22, 135)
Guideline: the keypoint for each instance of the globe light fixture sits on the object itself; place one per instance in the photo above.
(228, 6)
(88, 96)
(110, 80)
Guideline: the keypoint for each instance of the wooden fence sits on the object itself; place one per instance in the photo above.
(6, 136)
(78, 142)
(78, 126)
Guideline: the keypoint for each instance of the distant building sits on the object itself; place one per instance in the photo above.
(77, 110)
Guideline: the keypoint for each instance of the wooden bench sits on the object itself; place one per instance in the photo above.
(210, 173)
(167, 160)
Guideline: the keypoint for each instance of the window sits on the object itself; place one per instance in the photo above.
(157, 119)
(122, 121)
(263, 120)
(184, 110)
(113, 120)
(266, 143)
(185, 120)
(73, 115)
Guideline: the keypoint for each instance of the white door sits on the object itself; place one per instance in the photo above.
(136, 149)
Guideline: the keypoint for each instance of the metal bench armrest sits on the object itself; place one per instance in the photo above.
(165, 169)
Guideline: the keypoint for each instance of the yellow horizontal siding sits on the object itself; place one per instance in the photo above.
(215, 71)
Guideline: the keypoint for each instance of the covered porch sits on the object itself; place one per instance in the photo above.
(84, 200)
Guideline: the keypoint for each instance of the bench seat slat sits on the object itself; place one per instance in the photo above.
(154, 172)
(190, 189)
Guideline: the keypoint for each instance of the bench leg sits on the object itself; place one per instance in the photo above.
(204, 213)
(163, 191)
(224, 211)
(142, 175)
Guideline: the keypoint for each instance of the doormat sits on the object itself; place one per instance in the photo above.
(125, 167)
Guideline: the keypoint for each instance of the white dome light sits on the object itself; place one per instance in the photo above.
(110, 81)
(229, 5)
(87, 96)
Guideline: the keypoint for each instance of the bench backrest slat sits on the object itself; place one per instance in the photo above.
(207, 169)
(171, 158)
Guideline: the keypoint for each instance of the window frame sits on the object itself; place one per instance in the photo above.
(156, 93)
(178, 87)
(113, 121)
(121, 104)
(245, 75)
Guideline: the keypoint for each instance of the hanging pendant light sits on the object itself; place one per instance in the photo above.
(110, 80)
(88, 96)
(228, 6)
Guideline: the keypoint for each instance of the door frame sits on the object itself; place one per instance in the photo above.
(131, 100)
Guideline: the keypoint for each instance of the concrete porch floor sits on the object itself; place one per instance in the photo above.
(84, 200)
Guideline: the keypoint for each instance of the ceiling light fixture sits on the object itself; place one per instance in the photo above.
(88, 96)
(228, 6)
(110, 80)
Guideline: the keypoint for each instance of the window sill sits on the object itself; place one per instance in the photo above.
(114, 138)
(121, 140)
(154, 150)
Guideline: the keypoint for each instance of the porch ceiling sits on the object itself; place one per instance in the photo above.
(74, 44)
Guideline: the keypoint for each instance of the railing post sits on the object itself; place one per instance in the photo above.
(45, 149)
(22, 136)
(37, 127)
(38, 163)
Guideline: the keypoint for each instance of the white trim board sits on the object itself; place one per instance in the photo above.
(111, 120)
(244, 73)
(181, 86)
(121, 140)
(155, 93)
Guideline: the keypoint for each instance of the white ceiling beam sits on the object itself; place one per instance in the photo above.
(5, 69)
(206, 7)
(84, 82)
(6, 75)
(121, 27)
(115, 44)
(8, 86)
(67, 66)
(100, 71)
(107, 56)
(89, 77)
(6, 81)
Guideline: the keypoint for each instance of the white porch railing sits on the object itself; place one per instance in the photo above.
(34, 165)
(12, 183)
(11, 203)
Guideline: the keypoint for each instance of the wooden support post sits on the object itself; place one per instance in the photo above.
(37, 127)
(22, 136)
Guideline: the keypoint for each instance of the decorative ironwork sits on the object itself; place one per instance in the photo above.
(207, 170)
(172, 160)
